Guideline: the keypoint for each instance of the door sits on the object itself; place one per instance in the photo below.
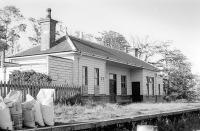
(113, 87)
(136, 97)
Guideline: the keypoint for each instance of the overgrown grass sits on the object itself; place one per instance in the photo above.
(92, 112)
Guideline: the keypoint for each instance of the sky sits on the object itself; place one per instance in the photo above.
(174, 20)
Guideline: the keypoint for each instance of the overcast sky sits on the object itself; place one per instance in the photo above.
(176, 20)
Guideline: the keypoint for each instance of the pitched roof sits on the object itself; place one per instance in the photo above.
(61, 45)
(89, 48)
(109, 54)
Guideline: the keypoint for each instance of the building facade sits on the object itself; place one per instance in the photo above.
(105, 74)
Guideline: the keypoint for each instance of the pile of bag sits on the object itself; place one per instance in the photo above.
(15, 114)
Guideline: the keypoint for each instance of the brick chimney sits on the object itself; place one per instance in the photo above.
(134, 52)
(48, 31)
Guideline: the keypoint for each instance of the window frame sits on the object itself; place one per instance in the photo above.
(153, 88)
(85, 75)
(124, 85)
(148, 81)
(96, 77)
(159, 93)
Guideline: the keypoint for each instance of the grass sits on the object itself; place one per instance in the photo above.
(78, 113)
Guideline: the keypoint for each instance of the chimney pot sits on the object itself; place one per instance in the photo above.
(49, 13)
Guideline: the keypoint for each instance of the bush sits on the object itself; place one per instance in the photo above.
(75, 100)
(29, 77)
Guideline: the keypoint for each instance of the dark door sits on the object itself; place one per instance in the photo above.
(136, 97)
(113, 87)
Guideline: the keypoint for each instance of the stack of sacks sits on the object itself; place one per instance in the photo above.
(28, 114)
(36, 108)
(45, 97)
(5, 119)
(40, 111)
(13, 100)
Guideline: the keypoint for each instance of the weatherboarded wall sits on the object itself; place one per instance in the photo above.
(157, 80)
(91, 64)
(118, 70)
(38, 64)
(60, 70)
(160, 81)
(137, 76)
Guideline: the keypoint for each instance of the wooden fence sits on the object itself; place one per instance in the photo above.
(61, 91)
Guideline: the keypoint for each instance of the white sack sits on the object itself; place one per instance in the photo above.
(37, 110)
(45, 97)
(13, 101)
(5, 119)
(28, 114)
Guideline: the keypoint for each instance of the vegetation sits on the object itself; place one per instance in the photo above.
(11, 24)
(180, 83)
(36, 38)
(175, 68)
(91, 112)
(113, 39)
(29, 77)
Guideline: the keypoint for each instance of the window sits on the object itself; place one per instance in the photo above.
(123, 85)
(84, 75)
(158, 89)
(96, 76)
(150, 81)
(112, 76)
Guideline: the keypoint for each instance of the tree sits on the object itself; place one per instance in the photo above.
(147, 49)
(113, 39)
(11, 25)
(36, 38)
(29, 77)
(176, 70)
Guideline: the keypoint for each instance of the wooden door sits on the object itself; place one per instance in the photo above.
(113, 87)
(136, 97)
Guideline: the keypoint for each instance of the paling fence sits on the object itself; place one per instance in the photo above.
(61, 91)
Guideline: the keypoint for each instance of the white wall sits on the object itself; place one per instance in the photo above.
(118, 71)
(160, 81)
(60, 70)
(91, 63)
(137, 76)
(157, 80)
(38, 64)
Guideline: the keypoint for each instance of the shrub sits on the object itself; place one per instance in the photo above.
(29, 77)
(74, 100)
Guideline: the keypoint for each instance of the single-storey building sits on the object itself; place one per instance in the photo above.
(105, 74)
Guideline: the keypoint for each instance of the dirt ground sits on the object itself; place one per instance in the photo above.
(78, 113)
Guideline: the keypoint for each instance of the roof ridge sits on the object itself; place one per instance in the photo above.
(79, 39)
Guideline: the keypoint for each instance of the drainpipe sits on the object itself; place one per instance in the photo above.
(78, 71)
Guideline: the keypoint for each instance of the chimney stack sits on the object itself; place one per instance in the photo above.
(48, 31)
(136, 52)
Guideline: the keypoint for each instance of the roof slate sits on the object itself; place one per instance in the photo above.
(87, 47)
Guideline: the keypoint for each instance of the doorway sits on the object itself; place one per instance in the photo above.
(113, 87)
(136, 97)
